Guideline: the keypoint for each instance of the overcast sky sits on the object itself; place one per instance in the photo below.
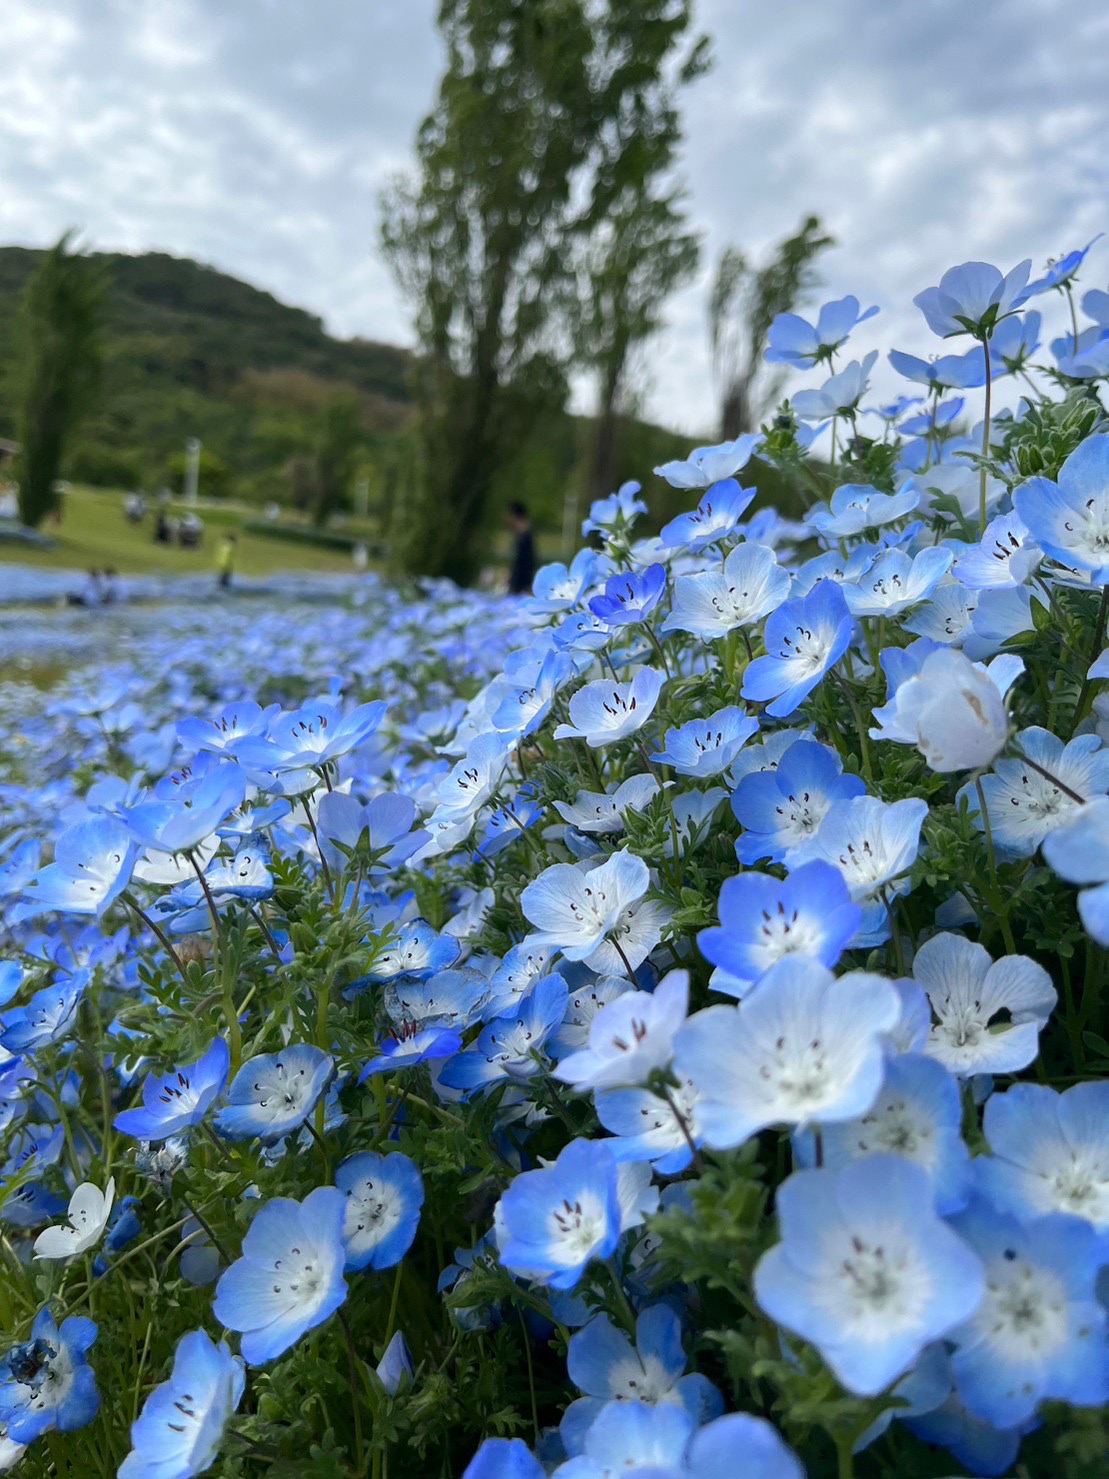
(254, 134)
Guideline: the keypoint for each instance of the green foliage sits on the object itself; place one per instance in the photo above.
(57, 369)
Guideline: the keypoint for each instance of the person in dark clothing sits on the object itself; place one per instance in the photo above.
(522, 572)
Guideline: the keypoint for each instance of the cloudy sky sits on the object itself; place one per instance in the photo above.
(254, 134)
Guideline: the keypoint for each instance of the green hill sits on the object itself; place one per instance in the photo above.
(193, 352)
(190, 351)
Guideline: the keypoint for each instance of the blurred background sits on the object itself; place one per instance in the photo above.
(347, 277)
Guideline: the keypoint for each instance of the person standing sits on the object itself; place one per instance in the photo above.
(522, 573)
(225, 560)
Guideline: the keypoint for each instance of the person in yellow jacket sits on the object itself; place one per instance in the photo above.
(225, 559)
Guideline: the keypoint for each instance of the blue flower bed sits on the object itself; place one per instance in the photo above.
(654, 1026)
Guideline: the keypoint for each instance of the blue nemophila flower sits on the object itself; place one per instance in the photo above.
(418, 1046)
(1050, 1151)
(603, 1363)
(629, 1437)
(804, 640)
(551, 1223)
(630, 596)
(309, 737)
(717, 515)
(990, 1013)
(865, 1270)
(1089, 360)
(805, 1048)
(704, 747)
(575, 907)
(525, 708)
(855, 507)
(396, 1368)
(30, 1205)
(794, 341)
(897, 581)
(198, 806)
(972, 298)
(979, 1447)
(453, 998)
(1003, 559)
(631, 1038)
(180, 1099)
(783, 804)
(508, 1047)
(1026, 806)
(517, 973)
(603, 811)
(706, 466)
(415, 950)
(928, 423)
(918, 1114)
(384, 1194)
(504, 1458)
(1078, 851)
(712, 603)
(712, 1450)
(1070, 517)
(839, 395)
(1062, 270)
(763, 919)
(49, 1016)
(274, 1093)
(589, 995)
(604, 711)
(382, 830)
(246, 876)
(951, 709)
(648, 1127)
(558, 588)
(873, 844)
(1040, 1332)
(232, 723)
(618, 511)
(948, 372)
(92, 866)
(290, 1276)
(1013, 343)
(47, 1383)
(474, 779)
(178, 1432)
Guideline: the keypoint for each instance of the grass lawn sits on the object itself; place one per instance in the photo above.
(94, 533)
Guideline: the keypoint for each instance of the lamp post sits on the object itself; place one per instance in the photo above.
(193, 447)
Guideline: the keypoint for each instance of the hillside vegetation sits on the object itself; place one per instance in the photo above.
(190, 351)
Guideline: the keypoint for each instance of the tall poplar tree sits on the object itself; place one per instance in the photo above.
(58, 369)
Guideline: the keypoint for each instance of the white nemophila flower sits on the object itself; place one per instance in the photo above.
(632, 1037)
(89, 1210)
(583, 1004)
(604, 711)
(804, 1048)
(989, 1012)
(603, 812)
(953, 710)
(575, 906)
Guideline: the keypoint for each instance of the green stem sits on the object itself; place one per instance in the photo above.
(985, 439)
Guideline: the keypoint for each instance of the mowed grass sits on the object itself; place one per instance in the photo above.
(94, 534)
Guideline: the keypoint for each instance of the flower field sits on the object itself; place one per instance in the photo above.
(654, 1026)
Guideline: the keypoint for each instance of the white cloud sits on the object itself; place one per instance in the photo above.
(254, 135)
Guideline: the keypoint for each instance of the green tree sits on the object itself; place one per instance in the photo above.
(58, 369)
(743, 303)
(476, 238)
(637, 244)
(338, 441)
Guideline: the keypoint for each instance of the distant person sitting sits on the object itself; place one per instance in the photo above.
(109, 591)
(90, 594)
(522, 573)
(225, 560)
(162, 532)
